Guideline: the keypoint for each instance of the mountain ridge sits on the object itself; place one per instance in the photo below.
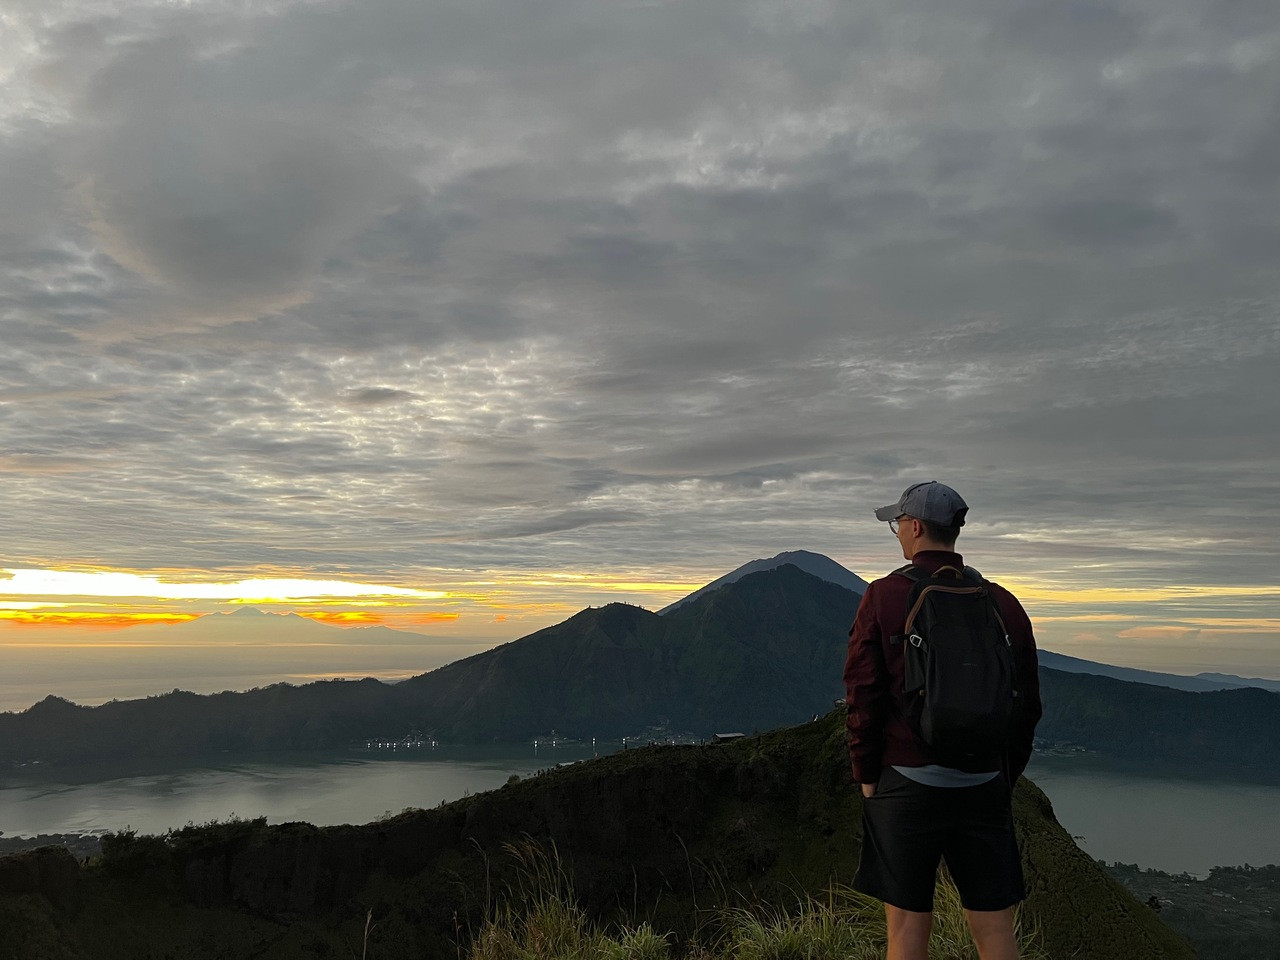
(763, 651)
(221, 626)
(814, 564)
(1200, 683)
(1235, 681)
(291, 626)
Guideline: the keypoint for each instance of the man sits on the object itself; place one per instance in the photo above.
(920, 807)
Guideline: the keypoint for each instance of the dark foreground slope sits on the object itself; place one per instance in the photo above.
(666, 834)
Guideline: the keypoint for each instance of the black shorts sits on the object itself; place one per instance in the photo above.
(907, 827)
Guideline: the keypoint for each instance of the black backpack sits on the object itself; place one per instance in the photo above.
(959, 690)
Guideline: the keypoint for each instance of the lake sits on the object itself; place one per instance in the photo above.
(1158, 822)
(322, 788)
(1168, 824)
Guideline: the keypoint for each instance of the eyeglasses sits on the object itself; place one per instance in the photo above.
(895, 522)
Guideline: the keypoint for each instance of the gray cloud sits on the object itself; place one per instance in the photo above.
(393, 285)
(377, 396)
(558, 523)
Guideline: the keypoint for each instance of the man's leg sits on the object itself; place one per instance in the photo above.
(993, 933)
(908, 933)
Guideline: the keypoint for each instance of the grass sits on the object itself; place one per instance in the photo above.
(540, 919)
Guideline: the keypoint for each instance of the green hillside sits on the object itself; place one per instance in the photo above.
(1227, 732)
(668, 835)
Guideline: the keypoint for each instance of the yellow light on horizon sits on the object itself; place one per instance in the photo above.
(104, 583)
(342, 617)
(1029, 590)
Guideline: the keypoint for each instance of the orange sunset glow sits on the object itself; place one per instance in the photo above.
(76, 618)
(364, 618)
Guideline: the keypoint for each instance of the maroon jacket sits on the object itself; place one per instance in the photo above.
(878, 732)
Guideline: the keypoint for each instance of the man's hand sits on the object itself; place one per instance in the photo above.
(868, 790)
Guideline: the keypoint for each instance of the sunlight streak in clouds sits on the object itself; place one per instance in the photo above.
(1104, 595)
(27, 582)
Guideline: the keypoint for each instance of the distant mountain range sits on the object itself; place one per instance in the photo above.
(759, 648)
(1201, 682)
(281, 627)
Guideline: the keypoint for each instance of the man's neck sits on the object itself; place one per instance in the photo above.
(931, 556)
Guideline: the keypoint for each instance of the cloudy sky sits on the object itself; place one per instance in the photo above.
(480, 312)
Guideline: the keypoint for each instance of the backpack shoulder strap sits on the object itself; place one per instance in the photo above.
(915, 575)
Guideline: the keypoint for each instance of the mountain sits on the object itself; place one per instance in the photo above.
(1231, 681)
(760, 651)
(814, 564)
(669, 835)
(1200, 682)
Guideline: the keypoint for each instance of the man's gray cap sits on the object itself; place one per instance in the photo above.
(931, 501)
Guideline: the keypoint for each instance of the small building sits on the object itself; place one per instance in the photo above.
(726, 737)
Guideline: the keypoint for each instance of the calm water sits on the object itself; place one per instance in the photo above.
(328, 788)
(1167, 824)
(1172, 825)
